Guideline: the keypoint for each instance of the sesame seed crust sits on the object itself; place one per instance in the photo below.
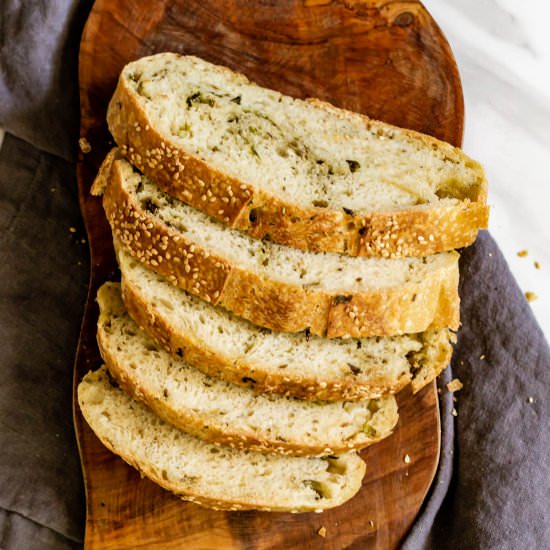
(243, 206)
(194, 424)
(190, 495)
(425, 365)
(212, 495)
(430, 304)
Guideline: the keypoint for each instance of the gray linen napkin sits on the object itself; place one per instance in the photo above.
(499, 496)
(38, 71)
(492, 488)
(44, 274)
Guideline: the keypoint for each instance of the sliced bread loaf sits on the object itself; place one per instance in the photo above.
(226, 346)
(224, 413)
(305, 173)
(217, 477)
(275, 286)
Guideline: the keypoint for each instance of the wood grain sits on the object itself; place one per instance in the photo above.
(387, 59)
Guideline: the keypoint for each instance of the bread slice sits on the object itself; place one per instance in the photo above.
(217, 477)
(224, 413)
(300, 365)
(304, 173)
(274, 286)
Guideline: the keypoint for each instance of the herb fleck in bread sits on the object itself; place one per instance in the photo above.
(309, 367)
(305, 173)
(275, 286)
(217, 477)
(220, 412)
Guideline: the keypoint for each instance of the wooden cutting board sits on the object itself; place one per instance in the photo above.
(384, 58)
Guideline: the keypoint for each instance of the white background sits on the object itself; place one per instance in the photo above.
(503, 53)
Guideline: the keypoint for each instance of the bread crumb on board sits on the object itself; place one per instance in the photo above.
(530, 296)
(523, 253)
(84, 145)
(407, 459)
(455, 385)
(322, 532)
(530, 400)
(454, 412)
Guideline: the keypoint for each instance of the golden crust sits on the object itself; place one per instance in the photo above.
(189, 495)
(354, 473)
(242, 372)
(236, 438)
(415, 231)
(430, 361)
(413, 307)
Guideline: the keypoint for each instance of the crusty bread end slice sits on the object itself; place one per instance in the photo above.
(305, 173)
(217, 477)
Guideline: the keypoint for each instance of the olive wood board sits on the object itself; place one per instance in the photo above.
(387, 59)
